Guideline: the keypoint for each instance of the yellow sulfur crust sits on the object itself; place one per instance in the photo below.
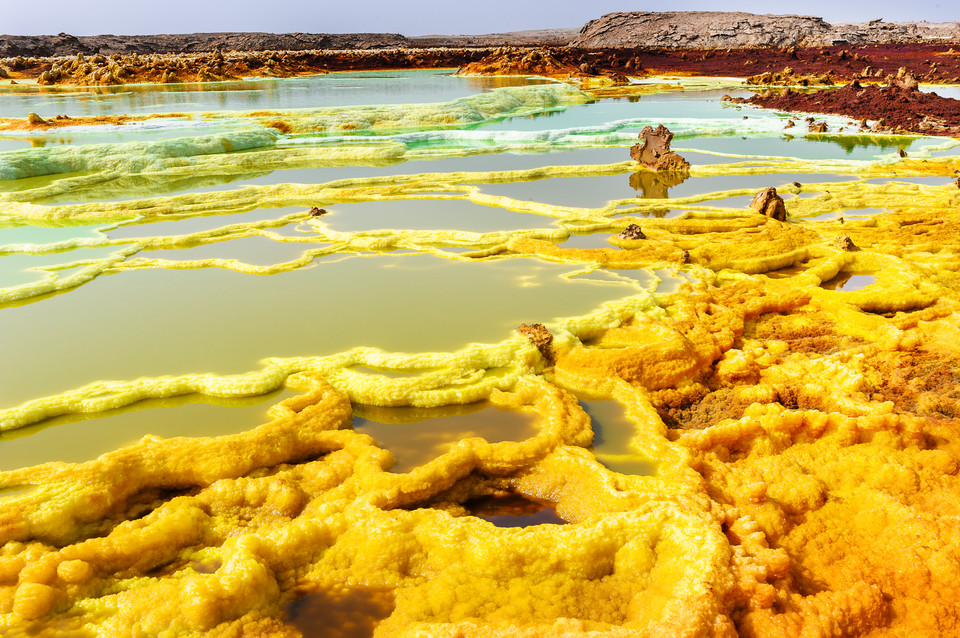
(801, 437)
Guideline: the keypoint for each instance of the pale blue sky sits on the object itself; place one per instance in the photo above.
(416, 17)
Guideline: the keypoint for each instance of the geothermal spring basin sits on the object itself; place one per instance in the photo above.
(262, 373)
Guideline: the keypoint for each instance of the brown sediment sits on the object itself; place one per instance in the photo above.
(899, 106)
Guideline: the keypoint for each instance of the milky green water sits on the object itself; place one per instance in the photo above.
(150, 263)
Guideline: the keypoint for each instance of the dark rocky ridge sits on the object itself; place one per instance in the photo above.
(721, 30)
(64, 44)
(538, 37)
(665, 30)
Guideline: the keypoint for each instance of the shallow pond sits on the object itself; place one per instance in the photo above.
(213, 272)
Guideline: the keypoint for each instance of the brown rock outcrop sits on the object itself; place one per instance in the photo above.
(723, 30)
(654, 151)
(540, 337)
(65, 44)
(633, 231)
(844, 243)
(768, 203)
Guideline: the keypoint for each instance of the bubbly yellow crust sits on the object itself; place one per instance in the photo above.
(801, 437)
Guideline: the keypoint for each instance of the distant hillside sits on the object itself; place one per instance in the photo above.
(64, 44)
(722, 30)
(671, 29)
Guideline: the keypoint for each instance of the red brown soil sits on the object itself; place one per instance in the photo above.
(911, 111)
(900, 109)
(933, 63)
(928, 62)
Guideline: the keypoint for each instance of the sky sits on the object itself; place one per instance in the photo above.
(409, 17)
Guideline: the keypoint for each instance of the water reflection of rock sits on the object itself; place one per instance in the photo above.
(345, 612)
(656, 184)
(660, 168)
(513, 510)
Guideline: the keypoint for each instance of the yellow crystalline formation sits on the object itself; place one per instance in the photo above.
(802, 437)
(219, 535)
(807, 486)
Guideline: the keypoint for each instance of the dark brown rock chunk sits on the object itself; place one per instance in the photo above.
(654, 151)
(540, 337)
(843, 242)
(768, 203)
(672, 162)
(656, 142)
(905, 80)
(633, 231)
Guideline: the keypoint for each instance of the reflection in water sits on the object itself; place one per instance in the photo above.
(340, 613)
(848, 282)
(418, 435)
(418, 214)
(850, 143)
(256, 250)
(332, 89)
(786, 273)
(86, 436)
(219, 321)
(612, 432)
(670, 280)
(656, 185)
(513, 510)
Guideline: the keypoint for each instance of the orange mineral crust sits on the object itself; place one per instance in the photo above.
(729, 412)
(803, 476)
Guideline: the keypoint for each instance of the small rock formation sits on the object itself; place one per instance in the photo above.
(654, 151)
(35, 120)
(317, 212)
(633, 231)
(843, 242)
(818, 127)
(540, 337)
(787, 77)
(904, 80)
(768, 203)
